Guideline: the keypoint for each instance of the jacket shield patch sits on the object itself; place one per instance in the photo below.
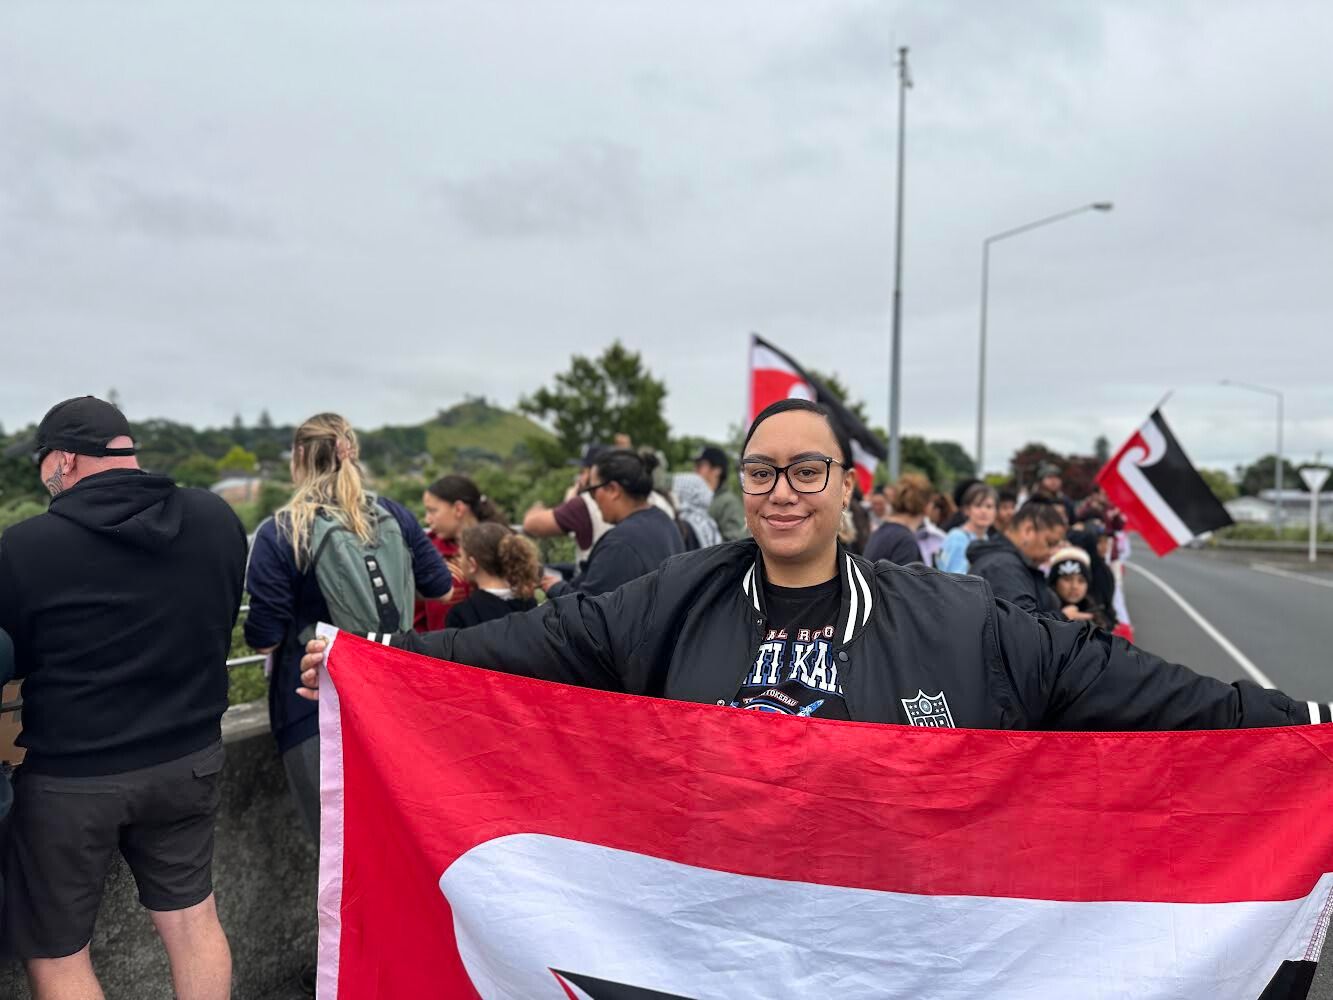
(928, 710)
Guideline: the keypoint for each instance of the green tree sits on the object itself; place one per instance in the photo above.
(1260, 475)
(197, 470)
(238, 461)
(918, 456)
(596, 399)
(957, 461)
(1220, 483)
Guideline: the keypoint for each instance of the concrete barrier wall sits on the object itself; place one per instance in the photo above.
(264, 873)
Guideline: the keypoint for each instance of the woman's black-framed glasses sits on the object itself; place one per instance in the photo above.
(809, 475)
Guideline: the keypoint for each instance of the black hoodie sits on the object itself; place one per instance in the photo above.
(121, 600)
(1012, 578)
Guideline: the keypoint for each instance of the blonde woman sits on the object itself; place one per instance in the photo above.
(286, 599)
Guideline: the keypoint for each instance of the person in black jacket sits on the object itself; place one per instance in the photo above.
(645, 537)
(1010, 561)
(791, 623)
(504, 570)
(120, 600)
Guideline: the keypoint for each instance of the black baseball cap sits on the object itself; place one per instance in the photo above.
(83, 425)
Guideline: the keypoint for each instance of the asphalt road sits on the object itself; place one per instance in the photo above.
(1274, 614)
(1277, 615)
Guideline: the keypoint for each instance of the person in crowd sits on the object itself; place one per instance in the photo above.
(860, 521)
(693, 499)
(1011, 563)
(453, 504)
(1006, 503)
(1091, 540)
(6, 790)
(959, 515)
(978, 510)
(1068, 578)
(120, 600)
(726, 508)
(621, 484)
(1050, 487)
(878, 507)
(930, 537)
(789, 622)
(578, 516)
(504, 570)
(295, 581)
(896, 539)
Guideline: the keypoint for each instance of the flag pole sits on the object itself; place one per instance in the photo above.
(896, 349)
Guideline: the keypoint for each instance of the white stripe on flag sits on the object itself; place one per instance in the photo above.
(1131, 471)
(527, 903)
(1314, 712)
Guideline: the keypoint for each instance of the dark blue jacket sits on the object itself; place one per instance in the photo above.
(637, 545)
(284, 600)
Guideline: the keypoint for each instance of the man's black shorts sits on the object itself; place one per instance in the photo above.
(66, 832)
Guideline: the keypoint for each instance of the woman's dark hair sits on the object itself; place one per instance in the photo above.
(454, 488)
(632, 470)
(807, 406)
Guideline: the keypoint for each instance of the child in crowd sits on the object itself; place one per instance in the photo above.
(1070, 571)
(978, 510)
(452, 503)
(504, 570)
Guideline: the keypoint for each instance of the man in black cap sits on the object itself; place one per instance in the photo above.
(726, 508)
(120, 601)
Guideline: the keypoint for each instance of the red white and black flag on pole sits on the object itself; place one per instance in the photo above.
(1162, 495)
(493, 836)
(774, 376)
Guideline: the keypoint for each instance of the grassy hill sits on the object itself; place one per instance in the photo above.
(475, 429)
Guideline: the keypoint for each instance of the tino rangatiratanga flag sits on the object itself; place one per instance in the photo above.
(494, 836)
(774, 376)
(1160, 492)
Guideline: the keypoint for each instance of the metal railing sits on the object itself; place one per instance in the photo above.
(241, 661)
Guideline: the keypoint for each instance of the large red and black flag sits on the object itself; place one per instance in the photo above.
(1160, 492)
(499, 837)
(774, 375)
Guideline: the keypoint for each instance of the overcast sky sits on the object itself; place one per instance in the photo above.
(381, 208)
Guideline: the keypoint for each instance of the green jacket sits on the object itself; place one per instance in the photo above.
(727, 510)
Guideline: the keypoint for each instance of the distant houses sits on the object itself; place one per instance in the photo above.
(1295, 507)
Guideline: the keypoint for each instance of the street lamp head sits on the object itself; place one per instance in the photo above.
(1102, 206)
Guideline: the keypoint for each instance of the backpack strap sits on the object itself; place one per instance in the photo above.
(390, 616)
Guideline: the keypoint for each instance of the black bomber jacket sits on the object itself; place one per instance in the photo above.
(913, 646)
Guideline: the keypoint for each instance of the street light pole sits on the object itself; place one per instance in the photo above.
(896, 350)
(1277, 470)
(1097, 206)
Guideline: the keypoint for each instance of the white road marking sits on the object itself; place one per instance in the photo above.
(1287, 574)
(1228, 647)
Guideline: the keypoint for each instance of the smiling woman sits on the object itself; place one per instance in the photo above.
(791, 623)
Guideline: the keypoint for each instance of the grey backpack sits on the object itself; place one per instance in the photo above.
(369, 587)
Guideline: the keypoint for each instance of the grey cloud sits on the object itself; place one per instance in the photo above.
(177, 215)
(588, 188)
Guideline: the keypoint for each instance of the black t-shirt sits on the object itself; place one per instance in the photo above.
(794, 672)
